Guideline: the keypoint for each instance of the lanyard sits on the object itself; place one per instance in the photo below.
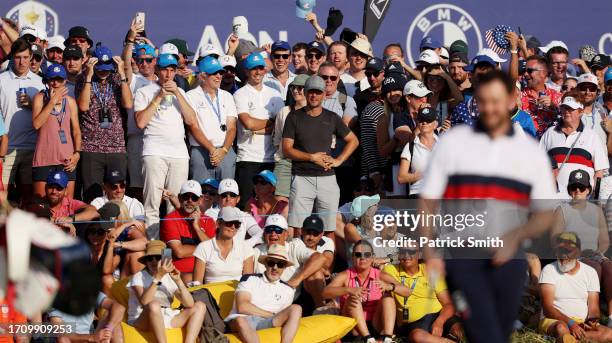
(103, 97)
(59, 116)
(217, 109)
(368, 287)
(411, 288)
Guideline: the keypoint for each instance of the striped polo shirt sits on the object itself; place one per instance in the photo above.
(588, 153)
(506, 172)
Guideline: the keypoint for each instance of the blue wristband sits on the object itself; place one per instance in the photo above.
(571, 323)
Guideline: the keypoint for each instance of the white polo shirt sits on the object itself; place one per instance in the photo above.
(138, 81)
(588, 154)
(250, 226)
(297, 253)
(17, 119)
(325, 244)
(264, 104)
(134, 206)
(207, 117)
(220, 269)
(165, 133)
(271, 81)
(265, 294)
(418, 160)
(509, 172)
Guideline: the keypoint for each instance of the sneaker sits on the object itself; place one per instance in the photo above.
(371, 340)
(388, 340)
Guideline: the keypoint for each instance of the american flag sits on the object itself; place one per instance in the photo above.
(496, 39)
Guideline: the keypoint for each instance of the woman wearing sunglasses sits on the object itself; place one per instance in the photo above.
(445, 93)
(424, 314)
(365, 294)
(151, 293)
(416, 154)
(58, 143)
(264, 203)
(223, 257)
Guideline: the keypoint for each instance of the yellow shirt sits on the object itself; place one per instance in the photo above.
(422, 300)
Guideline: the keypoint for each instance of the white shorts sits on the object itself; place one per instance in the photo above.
(167, 313)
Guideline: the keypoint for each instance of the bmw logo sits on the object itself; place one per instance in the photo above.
(445, 23)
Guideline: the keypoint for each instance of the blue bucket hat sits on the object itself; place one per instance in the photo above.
(58, 177)
(105, 59)
(268, 176)
(254, 60)
(166, 60)
(209, 65)
(56, 71)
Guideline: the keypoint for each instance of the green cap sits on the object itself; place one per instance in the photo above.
(299, 80)
(181, 45)
(458, 46)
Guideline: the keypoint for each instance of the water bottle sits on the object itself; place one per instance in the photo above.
(166, 103)
(541, 94)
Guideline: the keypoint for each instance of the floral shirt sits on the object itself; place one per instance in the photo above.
(543, 117)
(96, 138)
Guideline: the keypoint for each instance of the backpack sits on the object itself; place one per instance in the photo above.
(214, 326)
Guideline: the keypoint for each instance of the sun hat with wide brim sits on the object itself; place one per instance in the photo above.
(277, 252)
(154, 248)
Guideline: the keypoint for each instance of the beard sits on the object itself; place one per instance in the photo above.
(566, 266)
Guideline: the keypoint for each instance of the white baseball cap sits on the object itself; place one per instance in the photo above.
(230, 214)
(492, 54)
(277, 220)
(429, 56)
(29, 30)
(227, 60)
(571, 103)
(444, 52)
(588, 78)
(208, 49)
(417, 88)
(191, 186)
(228, 185)
(56, 42)
(168, 48)
(553, 44)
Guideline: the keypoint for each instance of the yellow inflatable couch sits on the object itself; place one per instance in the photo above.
(314, 329)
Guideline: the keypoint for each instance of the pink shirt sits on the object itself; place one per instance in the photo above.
(68, 207)
(370, 301)
(261, 219)
(49, 149)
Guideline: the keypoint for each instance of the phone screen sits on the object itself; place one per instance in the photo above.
(167, 254)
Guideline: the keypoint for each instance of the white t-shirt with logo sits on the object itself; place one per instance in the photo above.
(219, 269)
(266, 295)
(571, 291)
(210, 124)
(165, 133)
(18, 119)
(264, 104)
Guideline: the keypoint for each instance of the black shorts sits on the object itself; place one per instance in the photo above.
(425, 323)
(41, 173)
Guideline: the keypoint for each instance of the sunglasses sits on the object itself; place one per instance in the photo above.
(261, 182)
(590, 88)
(72, 58)
(408, 252)
(315, 56)
(56, 187)
(143, 60)
(189, 196)
(117, 186)
(531, 70)
(228, 195)
(219, 72)
(311, 232)
(279, 264)
(559, 63)
(277, 230)
(366, 254)
(78, 40)
(334, 78)
(152, 258)
(37, 58)
(297, 88)
(370, 74)
(258, 68)
(97, 232)
(212, 192)
(230, 70)
(422, 121)
(279, 56)
(564, 88)
(234, 224)
(580, 188)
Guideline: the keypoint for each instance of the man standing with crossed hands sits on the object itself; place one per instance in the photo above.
(309, 146)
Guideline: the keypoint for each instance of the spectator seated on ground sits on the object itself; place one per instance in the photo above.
(65, 210)
(114, 189)
(129, 239)
(570, 296)
(365, 295)
(313, 238)
(307, 266)
(223, 257)
(151, 292)
(423, 314)
(264, 301)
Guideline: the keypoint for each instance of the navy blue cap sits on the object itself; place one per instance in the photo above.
(429, 43)
(211, 182)
(313, 222)
(280, 45)
(58, 177)
(56, 71)
(113, 176)
(317, 46)
(375, 64)
(477, 60)
(105, 58)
